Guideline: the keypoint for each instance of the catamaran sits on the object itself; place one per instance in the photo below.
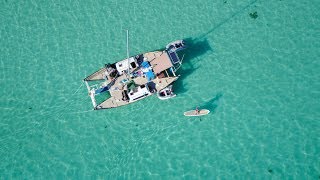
(135, 77)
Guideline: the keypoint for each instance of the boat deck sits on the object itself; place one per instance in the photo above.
(116, 98)
(159, 62)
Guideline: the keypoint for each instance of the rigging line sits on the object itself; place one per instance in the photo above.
(50, 110)
(78, 88)
(128, 54)
(63, 107)
(78, 112)
(57, 108)
(82, 83)
(11, 108)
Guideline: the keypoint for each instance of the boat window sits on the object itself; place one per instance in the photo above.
(140, 97)
(133, 64)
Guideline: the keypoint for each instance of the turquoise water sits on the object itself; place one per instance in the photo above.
(258, 76)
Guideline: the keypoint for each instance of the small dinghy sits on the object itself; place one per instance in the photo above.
(166, 93)
(175, 46)
(201, 112)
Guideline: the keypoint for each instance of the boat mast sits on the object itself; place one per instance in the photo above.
(128, 73)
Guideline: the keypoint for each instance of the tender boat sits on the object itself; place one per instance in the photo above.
(166, 93)
(134, 78)
(176, 46)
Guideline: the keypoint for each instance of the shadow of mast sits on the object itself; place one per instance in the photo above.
(225, 21)
(197, 47)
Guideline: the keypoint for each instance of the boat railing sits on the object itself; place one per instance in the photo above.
(179, 65)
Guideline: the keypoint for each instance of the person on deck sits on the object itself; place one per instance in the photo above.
(197, 110)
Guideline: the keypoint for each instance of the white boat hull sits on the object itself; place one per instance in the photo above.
(166, 93)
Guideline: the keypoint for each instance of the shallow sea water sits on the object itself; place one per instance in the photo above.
(258, 76)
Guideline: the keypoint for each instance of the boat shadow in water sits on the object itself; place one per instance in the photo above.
(212, 104)
(228, 19)
(195, 48)
(199, 46)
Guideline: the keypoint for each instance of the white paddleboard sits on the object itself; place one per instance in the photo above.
(194, 113)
